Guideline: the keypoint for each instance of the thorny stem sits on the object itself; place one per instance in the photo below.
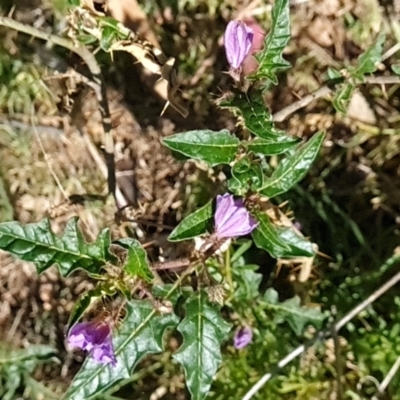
(328, 332)
(99, 86)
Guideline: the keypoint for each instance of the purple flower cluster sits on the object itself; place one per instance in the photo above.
(95, 338)
(231, 218)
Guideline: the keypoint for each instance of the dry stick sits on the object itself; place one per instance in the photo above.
(392, 372)
(99, 86)
(324, 334)
(324, 91)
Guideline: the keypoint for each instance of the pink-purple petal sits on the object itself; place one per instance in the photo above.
(242, 337)
(94, 337)
(232, 218)
(238, 38)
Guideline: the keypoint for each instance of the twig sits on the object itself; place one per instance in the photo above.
(324, 334)
(384, 384)
(324, 91)
(99, 86)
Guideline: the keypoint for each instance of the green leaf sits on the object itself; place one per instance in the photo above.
(333, 74)
(37, 243)
(136, 263)
(255, 113)
(271, 147)
(203, 330)
(247, 280)
(396, 69)
(266, 236)
(141, 333)
(291, 170)
(368, 60)
(31, 355)
(212, 147)
(244, 245)
(88, 299)
(247, 175)
(270, 57)
(298, 245)
(293, 312)
(193, 225)
(342, 97)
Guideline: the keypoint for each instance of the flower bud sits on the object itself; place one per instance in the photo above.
(237, 41)
(242, 337)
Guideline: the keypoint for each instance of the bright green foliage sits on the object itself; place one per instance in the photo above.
(292, 312)
(271, 147)
(280, 242)
(256, 116)
(247, 175)
(136, 263)
(193, 225)
(203, 331)
(298, 246)
(36, 242)
(248, 281)
(270, 57)
(267, 238)
(292, 169)
(140, 333)
(212, 147)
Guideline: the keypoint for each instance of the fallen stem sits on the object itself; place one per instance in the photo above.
(324, 91)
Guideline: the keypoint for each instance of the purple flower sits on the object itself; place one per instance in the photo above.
(242, 337)
(94, 337)
(231, 217)
(237, 40)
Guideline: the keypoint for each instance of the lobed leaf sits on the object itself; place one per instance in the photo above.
(37, 243)
(141, 333)
(203, 330)
(291, 170)
(137, 264)
(256, 116)
(193, 225)
(248, 281)
(291, 311)
(270, 57)
(212, 147)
